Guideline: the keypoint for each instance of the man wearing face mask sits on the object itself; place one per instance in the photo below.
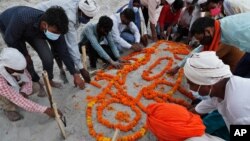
(23, 24)
(229, 7)
(229, 94)
(78, 11)
(211, 35)
(16, 86)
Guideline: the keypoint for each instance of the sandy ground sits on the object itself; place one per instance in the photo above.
(71, 101)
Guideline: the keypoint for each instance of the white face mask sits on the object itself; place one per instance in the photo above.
(136, 9)
(51, 36)
(16, 74)
(197, 95)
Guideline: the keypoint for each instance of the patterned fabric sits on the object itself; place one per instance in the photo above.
(12, 95)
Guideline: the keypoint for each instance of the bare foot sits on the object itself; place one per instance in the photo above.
(55, 84)
(13, 115)
(42, 93)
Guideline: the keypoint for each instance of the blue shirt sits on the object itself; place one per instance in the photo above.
(235, 31)
(90, 34)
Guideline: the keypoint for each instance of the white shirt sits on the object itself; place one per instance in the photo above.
(195, 15)
(235, 108)
(232, 7)
(205, 137)
(71, 9)
(142, 21)
(185, 17)
(118, 28)
(152, 6)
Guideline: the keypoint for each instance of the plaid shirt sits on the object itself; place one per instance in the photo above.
(15, 97)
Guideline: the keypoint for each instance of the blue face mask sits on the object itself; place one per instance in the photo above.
(51, 36)
(83, 19)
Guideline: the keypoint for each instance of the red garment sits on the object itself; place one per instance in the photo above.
(172, 122)
(216, 39)
(167, 17)
(15, 97)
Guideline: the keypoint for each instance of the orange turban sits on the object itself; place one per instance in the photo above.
(172, 122)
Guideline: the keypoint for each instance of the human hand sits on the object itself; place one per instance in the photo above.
(154, 38)
(85, 75)
(51, 113)
(124, 61)
(173, 71)
(78, 81)
(24, 95)
(116, 64)
(136, 47)
(144, 40)
(163, 36)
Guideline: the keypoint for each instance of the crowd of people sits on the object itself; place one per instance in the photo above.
(217, 69)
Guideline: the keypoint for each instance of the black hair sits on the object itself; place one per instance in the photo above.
(194, 1)
(56, 16)
(105, 22)
(136, 1)
(129, 14)
(200, 24)
(214, 1)
(178, 4)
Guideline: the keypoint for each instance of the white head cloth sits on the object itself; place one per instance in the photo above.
(201, 2)
(205, 68)
(89, 7)
(11, 58)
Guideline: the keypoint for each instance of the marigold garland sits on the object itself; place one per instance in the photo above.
(120, 96)
(122, 116)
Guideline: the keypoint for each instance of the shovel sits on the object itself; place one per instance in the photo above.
(61, 121)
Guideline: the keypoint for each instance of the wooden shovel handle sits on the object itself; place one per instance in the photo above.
(53, 104)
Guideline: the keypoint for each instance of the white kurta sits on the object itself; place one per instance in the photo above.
(205, 137)
(119, 27)
(232, 7)
(235, 108)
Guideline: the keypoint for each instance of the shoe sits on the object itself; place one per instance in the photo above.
(13, 115)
